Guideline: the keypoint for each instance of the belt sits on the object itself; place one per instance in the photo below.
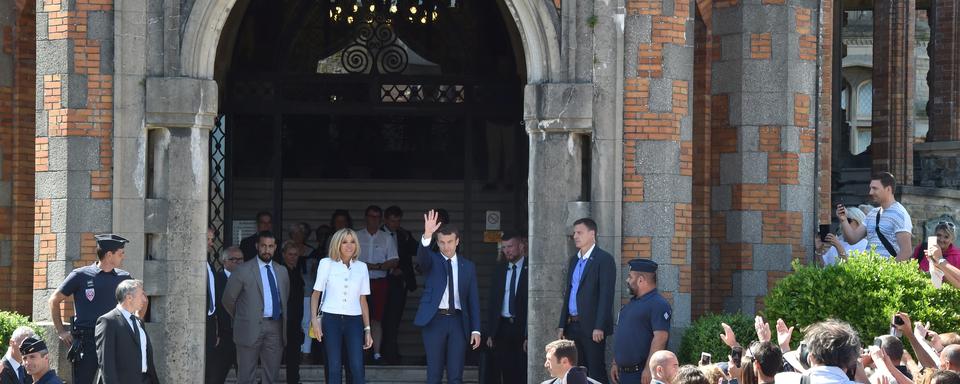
(447, 312)
(573, 319)
(82, 331)
(510, 320)
(631, 368)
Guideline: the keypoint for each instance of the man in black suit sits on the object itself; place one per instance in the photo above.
(123, 347)
(507, 314)
(225, 357)
(249, 244)
(13, 372)
(587, 313)
(216, 281)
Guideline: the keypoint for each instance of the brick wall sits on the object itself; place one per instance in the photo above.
(894, 57)
(74, 137)
(658, 147)
(945, 85)
(17, 102)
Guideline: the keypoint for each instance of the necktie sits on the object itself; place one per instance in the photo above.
(512, 305)
(22, 373)
(450, 303)
(274, 294)
(136, 330)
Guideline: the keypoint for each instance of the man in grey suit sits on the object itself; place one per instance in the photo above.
(256, 298)
(124, 351)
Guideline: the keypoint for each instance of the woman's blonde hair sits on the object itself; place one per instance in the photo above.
(712, 372)
(338, 238)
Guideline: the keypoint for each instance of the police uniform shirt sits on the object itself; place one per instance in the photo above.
(638, 320)
(93, 291)
(49, 378)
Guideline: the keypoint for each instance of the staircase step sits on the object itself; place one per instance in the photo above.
(375, 374)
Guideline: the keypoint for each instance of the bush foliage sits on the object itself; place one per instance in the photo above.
(864, 291)
(10, 321)
(704, 336)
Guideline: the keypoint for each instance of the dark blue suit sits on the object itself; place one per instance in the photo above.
(446, 338)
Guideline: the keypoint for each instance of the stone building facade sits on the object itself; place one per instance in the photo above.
(707, 125)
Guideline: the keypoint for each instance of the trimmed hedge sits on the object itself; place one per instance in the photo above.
(10, 321)
(704, 336)
(864, 291)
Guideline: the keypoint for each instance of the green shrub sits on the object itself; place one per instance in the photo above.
(864, 291)
(9, 321)
(704, 336)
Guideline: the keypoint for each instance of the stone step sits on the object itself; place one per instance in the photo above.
(375, 374)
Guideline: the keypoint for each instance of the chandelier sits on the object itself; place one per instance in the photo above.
(388, 11)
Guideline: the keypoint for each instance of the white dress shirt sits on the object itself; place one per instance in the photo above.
(143, 338)
(828, 375)
(505, 311)
(342, 286)
(213, 290)
(267, 300)
(377, 248)
(589, 252)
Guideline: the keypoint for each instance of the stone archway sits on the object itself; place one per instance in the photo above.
(536, 20)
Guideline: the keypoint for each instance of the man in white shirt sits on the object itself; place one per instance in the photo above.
(891, 219)
(13, 372)
(124, 359)
(226, 352)
(379, 251)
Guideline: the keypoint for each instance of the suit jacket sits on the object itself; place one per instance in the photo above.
(580, 376)
(433, 267)
(497, 290)
(595, 295)
(224, 320)
(9, 375)
(243, 300)
(118, 351)
(213, 322)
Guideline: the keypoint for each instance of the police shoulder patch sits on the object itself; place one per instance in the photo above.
(666, 315)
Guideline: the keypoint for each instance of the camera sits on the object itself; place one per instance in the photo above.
(736, 355)
(705, 359)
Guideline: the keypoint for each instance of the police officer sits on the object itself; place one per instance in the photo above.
(643, 328)
(94, 293)
(36, 361)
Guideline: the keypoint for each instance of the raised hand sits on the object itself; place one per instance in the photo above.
(784, 335)
(763, 329)
(841, 212)
(431, 222)
(729, 338)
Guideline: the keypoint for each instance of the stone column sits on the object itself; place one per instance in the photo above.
(764, 86)
(894, 62)
(557, 117)
(179, 115)
(658, 148)
(945, 84)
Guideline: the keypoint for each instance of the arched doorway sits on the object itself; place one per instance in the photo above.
(320, 113)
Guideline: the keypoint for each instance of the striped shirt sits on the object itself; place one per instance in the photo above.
(894, 220)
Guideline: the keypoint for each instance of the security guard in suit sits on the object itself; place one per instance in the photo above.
(644, 325)
(93, 288)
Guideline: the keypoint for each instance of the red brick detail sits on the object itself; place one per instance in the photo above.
(17, 116)
(893, 87)
(755, 197)
(760, 46)
(773, 2)
(945, 84)
(704, 49)
(824, 168)
(801, 110)
(635, 248)
(720, 4)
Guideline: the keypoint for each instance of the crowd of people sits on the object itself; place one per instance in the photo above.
(270, 304)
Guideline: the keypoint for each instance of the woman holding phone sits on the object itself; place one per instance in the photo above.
(340, 292)
(839, 248)
(946, 234)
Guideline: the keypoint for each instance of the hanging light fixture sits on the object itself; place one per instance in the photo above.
(385, 11)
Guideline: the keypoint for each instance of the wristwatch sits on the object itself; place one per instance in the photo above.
(941, 261)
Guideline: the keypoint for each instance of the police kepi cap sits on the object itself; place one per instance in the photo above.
(31, 345)
(109, 242)
(643, 265)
